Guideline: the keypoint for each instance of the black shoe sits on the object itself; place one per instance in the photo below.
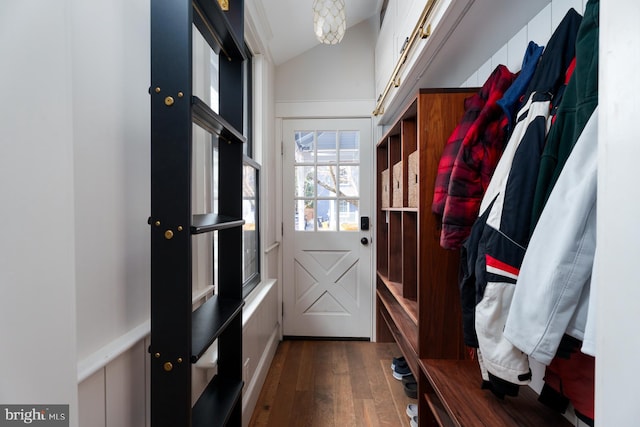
(401, 371)
(408, 379)
(397, 360)
(411, 390)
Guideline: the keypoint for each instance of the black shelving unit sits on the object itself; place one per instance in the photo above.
(179, 334)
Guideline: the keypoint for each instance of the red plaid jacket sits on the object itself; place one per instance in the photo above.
(472, 107)
(466, 174)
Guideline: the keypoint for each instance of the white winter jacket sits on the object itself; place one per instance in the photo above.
(553, 289)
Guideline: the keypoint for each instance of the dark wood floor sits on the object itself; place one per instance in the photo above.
(332, 383)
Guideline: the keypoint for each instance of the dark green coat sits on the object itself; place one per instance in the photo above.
(578, 102)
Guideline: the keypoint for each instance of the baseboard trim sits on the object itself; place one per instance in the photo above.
(311, 338)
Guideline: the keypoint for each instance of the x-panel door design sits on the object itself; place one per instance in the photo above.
(327, 255)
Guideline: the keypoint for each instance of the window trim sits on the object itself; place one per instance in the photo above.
(251, 282)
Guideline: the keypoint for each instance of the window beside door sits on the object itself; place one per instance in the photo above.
(250, 229)
(205, 179)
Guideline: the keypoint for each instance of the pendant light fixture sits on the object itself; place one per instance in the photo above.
(329, 20)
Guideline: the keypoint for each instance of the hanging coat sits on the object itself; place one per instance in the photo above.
(552, 296)
(505, 234)
(563, 258)
(473, 167)
(472, 107)
(512, 99)
(578, 102)
(510, 102)
(556, 271)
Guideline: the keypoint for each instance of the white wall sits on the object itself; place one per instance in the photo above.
(338, 72)
(74, 180)
(618, 207)
(111, 134)
(539, 29)
(37, 249)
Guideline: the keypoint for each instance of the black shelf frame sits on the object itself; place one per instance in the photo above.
(213, 402)
(217, 29)
(208, 119)
(206, 223)
(180, 335)
(209, 321)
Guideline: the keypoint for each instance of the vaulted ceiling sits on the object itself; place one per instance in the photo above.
(288, 24)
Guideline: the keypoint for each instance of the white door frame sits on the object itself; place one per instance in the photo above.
(295, 110)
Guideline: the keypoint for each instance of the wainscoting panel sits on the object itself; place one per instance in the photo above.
(125, 389)
(91, 398)
(261, 335)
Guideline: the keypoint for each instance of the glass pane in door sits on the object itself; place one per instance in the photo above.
(326, 180)
(305, 215)
(327, 220)
(304, 177)
(305, 147)
(349, 181)
(349, 146)
(327, 183)
(327, 146)
(349, 215)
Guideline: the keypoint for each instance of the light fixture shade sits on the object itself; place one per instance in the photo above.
(329, 20)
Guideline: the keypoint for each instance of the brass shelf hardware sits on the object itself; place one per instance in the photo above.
(426, 31)
(421, 31)
(210, 30)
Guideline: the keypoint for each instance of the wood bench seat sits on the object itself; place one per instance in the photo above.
(452, 392)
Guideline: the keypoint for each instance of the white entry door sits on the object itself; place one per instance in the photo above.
(327, 285)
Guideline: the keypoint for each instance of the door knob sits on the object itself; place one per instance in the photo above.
(364, 241)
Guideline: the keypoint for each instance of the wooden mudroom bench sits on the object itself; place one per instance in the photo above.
(453, 394)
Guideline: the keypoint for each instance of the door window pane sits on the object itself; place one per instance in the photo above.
(305, 147)
(304, 177)
(349, 181)
(327, 146)
(305, 215)
(349, 146)
(349, 215)
(327, 181)
(326, 212)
